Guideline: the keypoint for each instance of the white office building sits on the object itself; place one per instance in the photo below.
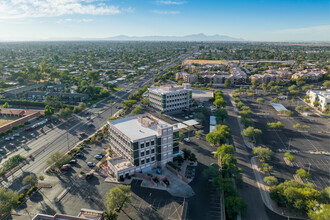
(142, 142)
(171, 99)
(323, 97)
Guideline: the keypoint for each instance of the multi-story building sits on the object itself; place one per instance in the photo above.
(323, 97)
(187, 78)
(142, 142)
(171, 99)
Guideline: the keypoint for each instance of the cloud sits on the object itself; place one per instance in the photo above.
(13, 9)
(166, 12)
(305, 30)
(70, 20)
(169, 2)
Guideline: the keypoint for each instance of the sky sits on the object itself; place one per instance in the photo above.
(252, 20)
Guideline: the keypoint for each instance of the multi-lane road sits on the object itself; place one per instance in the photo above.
(66, 135)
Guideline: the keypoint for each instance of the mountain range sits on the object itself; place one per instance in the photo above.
(193, 37)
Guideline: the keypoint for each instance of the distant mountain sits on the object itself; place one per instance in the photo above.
(193, 37)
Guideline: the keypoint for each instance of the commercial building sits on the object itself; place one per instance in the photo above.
(141, 143)
(171, 99)
(186, 77)
(323, 97)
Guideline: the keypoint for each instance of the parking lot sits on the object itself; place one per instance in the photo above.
(301, 144)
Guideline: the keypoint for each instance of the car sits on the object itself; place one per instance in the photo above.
(2, 151)
(86, 113)
(64, 168)
(94, 106)
(90, 125)
(98, 156)
(186, 139)
(12, 138)
(67, 165)
(16, 135)
(11, 144)
(191, 116)
(89, 175)
(80, 155)
(7, 139)
(28, 129)
(82, 134)
(186, 117)
(73, 161)
(88, 117)
(90, 164)
(32, 135)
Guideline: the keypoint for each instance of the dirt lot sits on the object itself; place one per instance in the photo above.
(6, 120)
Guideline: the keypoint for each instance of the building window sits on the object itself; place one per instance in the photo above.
(142, 162)
(147, 144)
(142, 154)
(147, 152)
(135, 146)
(153, 159)
(152, 143)
(148, 160)
(152, 151)
(142, 145)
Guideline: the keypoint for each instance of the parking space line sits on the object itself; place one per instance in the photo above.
(321, 180)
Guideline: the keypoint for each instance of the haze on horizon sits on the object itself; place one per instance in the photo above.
(253, 20)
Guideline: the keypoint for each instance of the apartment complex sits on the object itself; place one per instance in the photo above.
(171, 99)
(186, 77)
(323, 97)
(141, 143)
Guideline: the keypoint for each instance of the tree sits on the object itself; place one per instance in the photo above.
(223, 150)
(199, 134)
(289, 157)
(64, 113)
(137, 110)
(58, 159)
(8, 200)
(227, 83)
(30, 180)
(265, 168)
(219, 103)
(49, 110)
(128, 103)
(275, 100)
(117, 197)
(110, 215)
(260, 100)
(6, 105)
(319, 212)
(274, 125)
(219, 135)
(220, 115)
(303, 174)
(212, 171)
(270, 180)
(251, 132)
(264, 153)
(326, 84)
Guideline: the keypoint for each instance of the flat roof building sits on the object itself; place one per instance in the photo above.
(323, 97)
(171, 99)
(141, 143)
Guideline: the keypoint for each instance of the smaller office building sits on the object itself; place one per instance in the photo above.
(323, 97)
(171, 99)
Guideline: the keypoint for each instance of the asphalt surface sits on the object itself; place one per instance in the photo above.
(299, 143)
(248, 189)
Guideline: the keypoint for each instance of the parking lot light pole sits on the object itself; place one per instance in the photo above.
(309, 167)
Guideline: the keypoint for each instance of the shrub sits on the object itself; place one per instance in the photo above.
(41, 177)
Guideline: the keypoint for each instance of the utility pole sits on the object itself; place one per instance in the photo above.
(309, 167)
(67, 138)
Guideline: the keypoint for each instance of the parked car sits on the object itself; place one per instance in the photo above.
(7, 138)
(73, 161)
(82, 134)
(91, 164)
(88, 117)
(98, 156)
(28, 129)
(80, 155)
(16, 135)
(89, 175)
(2, 151)
(64, 168)
(186, 140)
(33, 135)
(94, 106)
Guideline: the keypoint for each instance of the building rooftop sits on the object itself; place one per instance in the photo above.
(120, 163)
(170, 88)
(136, 129)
